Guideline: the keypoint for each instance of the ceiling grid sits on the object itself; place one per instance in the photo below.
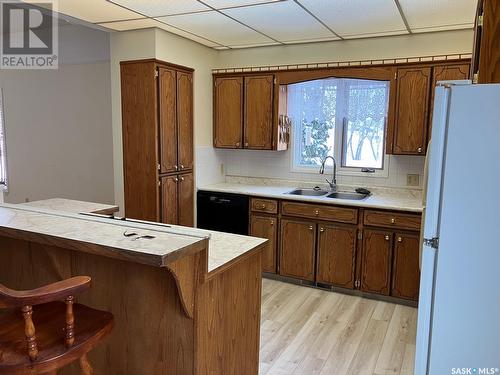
(226, 24)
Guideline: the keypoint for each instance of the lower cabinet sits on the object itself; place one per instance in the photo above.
(298, 248)
(336, 255)
(406, 270)
(376, 261)
(177, 199)
(266, 227)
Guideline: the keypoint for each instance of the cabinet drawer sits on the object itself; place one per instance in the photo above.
(392, 220)
(269, 206)
(313, 211)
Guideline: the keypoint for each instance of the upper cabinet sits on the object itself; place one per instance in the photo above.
(185, 120)
(413, 104)
(258, 119)
(410, 133)
(228, 112)
(247, 112)
(486, 56)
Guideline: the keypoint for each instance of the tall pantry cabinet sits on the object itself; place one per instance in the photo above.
(157, 132)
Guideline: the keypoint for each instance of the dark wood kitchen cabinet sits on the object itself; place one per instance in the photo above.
(157, 129)
(266, 227)
(258, 112)
(410, 132)
(247, 112)
(376, 263)
(336, 255)
(406, 271)
(228, 112)
(298, 249)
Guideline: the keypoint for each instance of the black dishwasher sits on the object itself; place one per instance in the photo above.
(222, 212)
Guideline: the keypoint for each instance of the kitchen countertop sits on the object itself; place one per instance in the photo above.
(381, 198)
(59, 220)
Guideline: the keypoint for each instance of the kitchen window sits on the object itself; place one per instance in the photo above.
(343, 118)
(3, 157)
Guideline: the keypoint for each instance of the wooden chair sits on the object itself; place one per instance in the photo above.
(57, 340)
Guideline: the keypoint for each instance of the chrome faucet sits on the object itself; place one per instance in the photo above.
(333, 182)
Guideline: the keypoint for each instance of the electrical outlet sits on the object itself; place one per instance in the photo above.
(412, 179)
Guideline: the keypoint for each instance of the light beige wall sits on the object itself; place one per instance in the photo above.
(58, 133)
(441, 43)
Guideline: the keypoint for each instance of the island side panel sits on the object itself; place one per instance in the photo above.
(227, 316)
(152, 333)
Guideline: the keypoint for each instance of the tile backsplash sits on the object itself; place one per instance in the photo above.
(277, 165)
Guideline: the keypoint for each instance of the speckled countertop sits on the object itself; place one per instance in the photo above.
(59, 222)
(381, 198)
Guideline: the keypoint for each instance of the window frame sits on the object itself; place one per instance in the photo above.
(338, 148)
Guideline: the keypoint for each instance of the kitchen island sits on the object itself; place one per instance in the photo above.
(185, 301)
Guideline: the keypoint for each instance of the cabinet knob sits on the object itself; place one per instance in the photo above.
(176, 179)
(310, 227)
(316, 212)
(182, 166)
(238, 144)
(400, 239)
(321, 230)
(419, 150)
(393, 220)
(263, 206)
(246, 144)
(182, 178)
(176, 167)
(387, 238)
(272, 222)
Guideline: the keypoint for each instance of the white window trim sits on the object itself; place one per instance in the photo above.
(337, 154)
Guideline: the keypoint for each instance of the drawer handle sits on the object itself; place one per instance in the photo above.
(400, 239)
(263, 206)
(322, 230)
(419, 150)
(387, 238)
(316, 212)
(310, 227)
(272, 222)
(393, 221)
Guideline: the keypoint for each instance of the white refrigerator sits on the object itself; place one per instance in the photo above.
(458, 329)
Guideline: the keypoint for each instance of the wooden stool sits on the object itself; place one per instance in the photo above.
(57, 340)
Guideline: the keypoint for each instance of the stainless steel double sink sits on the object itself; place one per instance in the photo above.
(316, 192)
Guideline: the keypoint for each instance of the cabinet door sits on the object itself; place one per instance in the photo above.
(186, 200)
(406, 272)
(376, 269)
(410, 132)
(445, 73)
(228, 112)
(169, 213)
(298, 242)
(185, 120)
(168, 120)
(336, 255)
(259, 112)
(266, 227)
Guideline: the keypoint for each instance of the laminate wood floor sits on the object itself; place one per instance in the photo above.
(308, 331)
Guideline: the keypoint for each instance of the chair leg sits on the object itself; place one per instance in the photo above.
(85, 365)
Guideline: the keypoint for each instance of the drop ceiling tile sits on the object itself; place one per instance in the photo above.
(282, 21)
(157, 8)
(220, 4)
(217, 27)
(446, 14)
(149, 23)
(93, 11)
(345, 18)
